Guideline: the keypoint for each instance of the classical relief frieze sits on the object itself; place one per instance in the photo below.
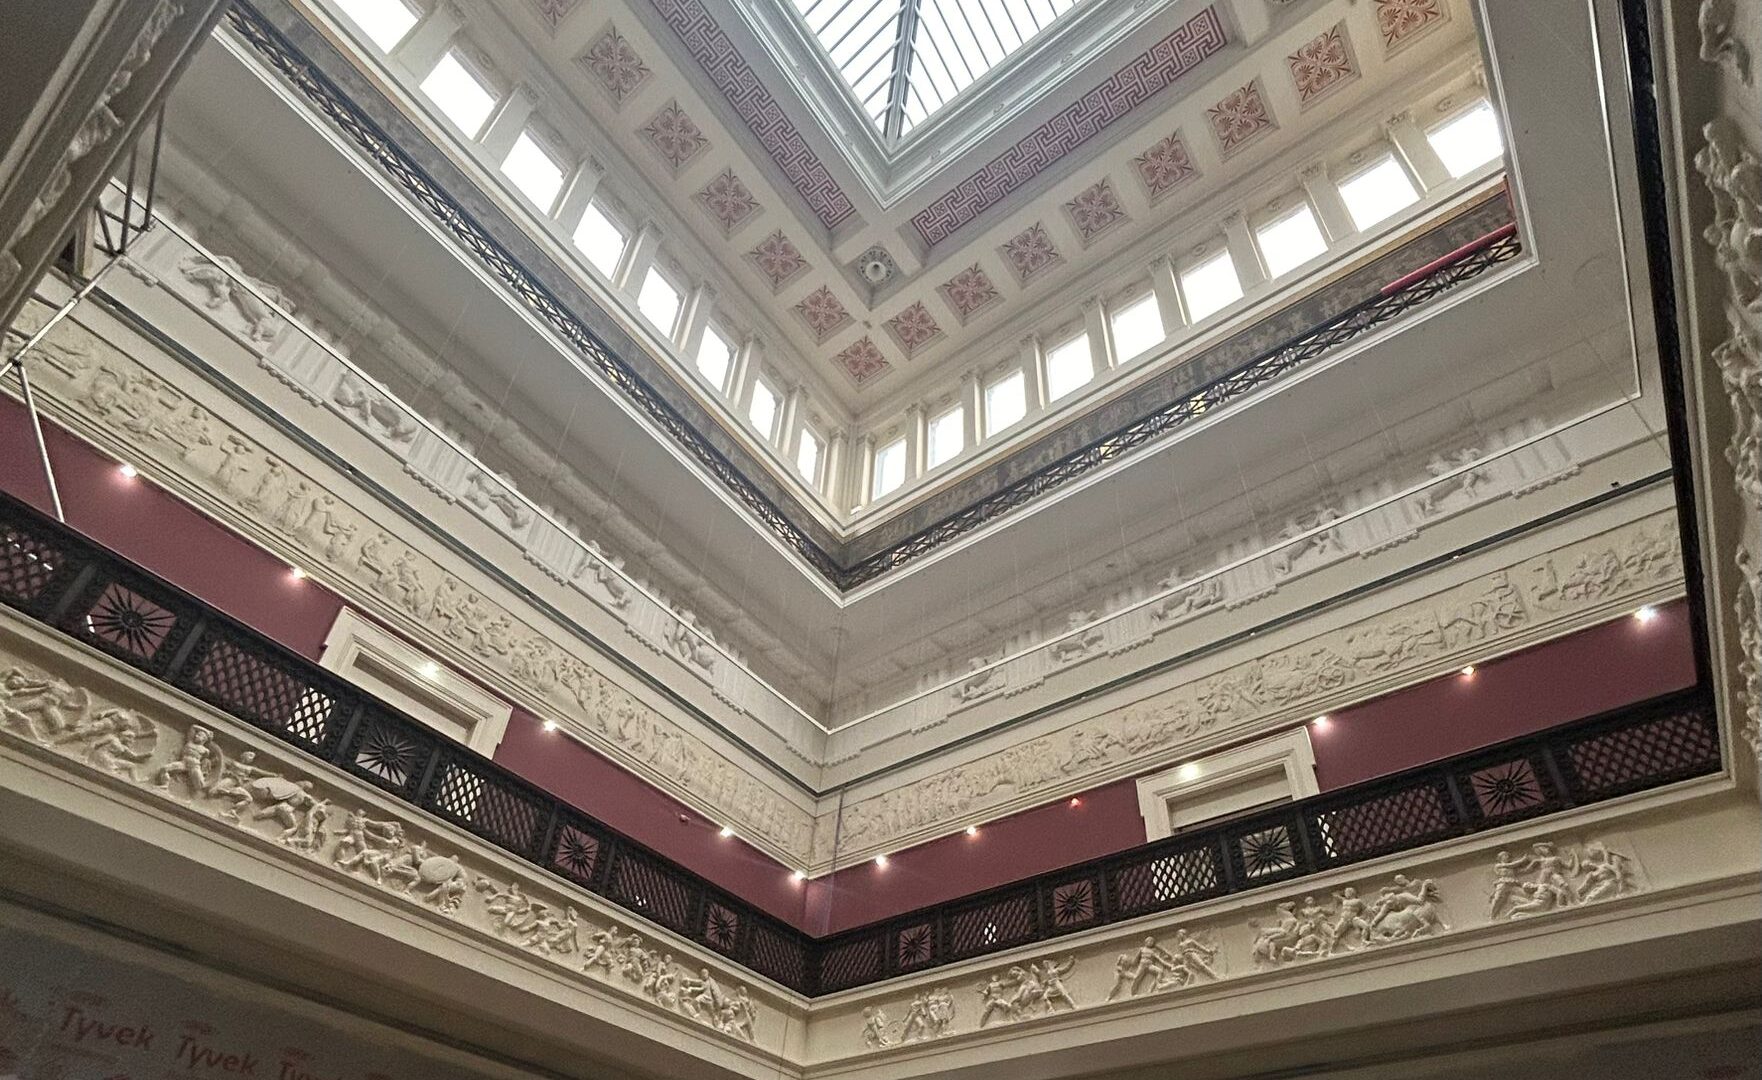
(1403, 910)
(242, 790)
(1424, 637)
(160, 426)
(1550, 877)
(1733, 175)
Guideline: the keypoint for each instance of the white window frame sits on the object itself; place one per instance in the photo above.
(551, 147)
(1378, 153)
(1206, 254)
(989, 428)
(958, 409)
(491, 84)
(1276, 213)
(1118, 306)
(403, 676)
(618, 221)
(1458, 113)
(671, 333)
(1281, 768)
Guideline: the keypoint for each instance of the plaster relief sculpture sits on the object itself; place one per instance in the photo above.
(1547, 879)
(487, 493)
(658, 978)
(689, 641)
(220, 279)
(1188, 601)
(235, 789)
(1720, 43)
(1080, 640)
(1599, 571)
(1153, 968)
(983, 679)
(1035, 988)
(372, 410)
(1313, 548)
(1463, 487)
(929, 1016)
(1404, 910)
(113, 741)
(604, 567)
(42, 705)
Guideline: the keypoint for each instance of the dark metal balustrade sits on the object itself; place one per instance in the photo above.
(51, 573)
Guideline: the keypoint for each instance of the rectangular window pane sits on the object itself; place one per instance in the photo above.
(534, 172)
(384, 21)
(1068, 367)
(1469, 140)
(459, 94)
(1378, 192)
(948, 435)
(1137, 328)
(658, 301)
(807, 456)
(763, 410)
(1210, 286)
(1290, 241)
(714, 356)
(1006, 401)
(600, 239)
(889, 468)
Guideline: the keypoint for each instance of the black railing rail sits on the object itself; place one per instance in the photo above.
(53, 574)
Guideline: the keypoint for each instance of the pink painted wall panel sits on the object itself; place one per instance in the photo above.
(165, 535)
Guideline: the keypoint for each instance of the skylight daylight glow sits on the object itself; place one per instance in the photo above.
(905, 59)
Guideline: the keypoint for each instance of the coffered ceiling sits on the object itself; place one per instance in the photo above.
(876, 273)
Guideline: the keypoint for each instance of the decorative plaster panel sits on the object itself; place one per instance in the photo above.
(1158, 67)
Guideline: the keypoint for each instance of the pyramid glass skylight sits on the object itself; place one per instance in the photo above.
(906, 59)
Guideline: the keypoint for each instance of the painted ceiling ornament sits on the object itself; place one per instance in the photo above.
(1095, 210)
(1403, 910)
(1164, 166)
(1035, 988)
(727, 199)
(778, 259)
(1548, 878)
(969, 291)
(1239, 117)
(553, 12)
(1400, 21)
(823, 313)
(914, 328)
(675, 136)
(863, 360)
(1030, 252)
(615, 65)
(1322, 64)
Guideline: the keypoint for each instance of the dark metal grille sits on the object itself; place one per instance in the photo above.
(50, 573)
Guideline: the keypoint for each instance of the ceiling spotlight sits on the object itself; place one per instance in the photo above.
(296, 573)
(1187, 772)
(431, 669)
(880, 860)
(1646, 613)
(798, 876)
(550, 725)
(972, 830)
(129, 472)
(725, 832)
(1468, 671)
(1320, 723)
(1075, 801)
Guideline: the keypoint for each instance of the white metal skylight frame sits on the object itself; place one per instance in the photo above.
(904, 60)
